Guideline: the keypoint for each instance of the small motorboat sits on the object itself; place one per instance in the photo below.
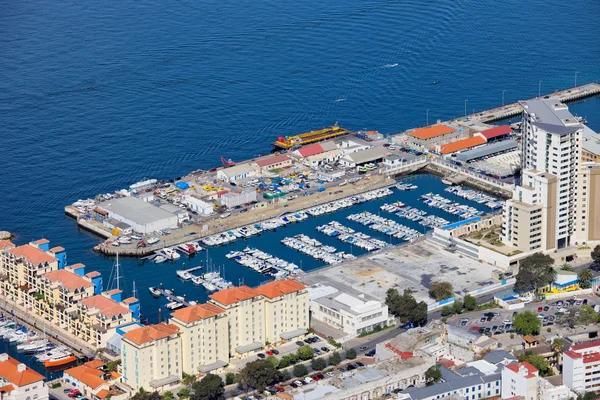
(154, 292)
(61, 359)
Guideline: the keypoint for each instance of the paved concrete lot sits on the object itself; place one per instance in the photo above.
(413, 267)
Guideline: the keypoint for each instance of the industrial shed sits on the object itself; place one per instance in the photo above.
(143, 217)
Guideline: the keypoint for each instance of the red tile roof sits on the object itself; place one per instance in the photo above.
(105, 306)
(234, 295)
(150, 333)
(57, 249)
(279, 288)
(272, 160)
(572, 354)
(311, 150)
(6, 244)
(92, 274)
(197, 312)
(41, 241)
(130, 300)
(586, 345)
(591, 358)
(32, 254)
(531, 370)
(114, 291)
(68, 279)
(462, 144)
(431, 131)
(9, 370)
(497, 131)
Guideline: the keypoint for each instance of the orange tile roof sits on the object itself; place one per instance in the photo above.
(107, 307)
(103, 394)
(41, 241)
(6, 244)
(32, 254)
(77, 266)
(9, 370)
(114, 291)
(68, 279)
(530, 339)
(462, 144)
(92, 274)
(89, 376)
(150, 333)
(7, 389)
(431, 131)
(94, 363)
(130, 300)
(197, 312)
(57, 249)
(279, 288)
(115, 375)
(234, 295)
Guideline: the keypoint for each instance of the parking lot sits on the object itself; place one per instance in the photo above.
(498, 321)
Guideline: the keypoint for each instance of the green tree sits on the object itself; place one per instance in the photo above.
(535, 271)
(418, 315)
(318, 364)
(185, 392)
(596, 255)
(258, 375)
(585, 277)
(440, 290)
(113, 365)
(447, 310)
(306, 352)
(334, 359)
(588, 396)
(143, 395)
(587, 315)
(566, 267)
(457, 306)
(284, 376)
(168, 395)
(273, 361)
(188, 379)
(557, 345)
(432, 375)
(211, 387)
(350, 354)
(537, 361)
(470, 302)
(526, 323)
(406, 307)
(230, 378)
(300, 370)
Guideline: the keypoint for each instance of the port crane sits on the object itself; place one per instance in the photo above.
(226, 162)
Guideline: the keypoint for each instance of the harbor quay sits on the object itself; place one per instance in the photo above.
(308, 170)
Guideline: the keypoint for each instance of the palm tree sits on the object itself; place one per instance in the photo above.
(557, 345)
(566, 267)
(585, 277)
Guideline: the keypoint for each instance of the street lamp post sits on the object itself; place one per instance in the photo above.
(576, 72)
(540, 88)
(466, 107)
(427, 118)
(503, 90)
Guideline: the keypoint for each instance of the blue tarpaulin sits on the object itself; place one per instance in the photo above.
(181, 185)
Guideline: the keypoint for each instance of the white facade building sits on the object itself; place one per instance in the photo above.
(19, 382)
(237, 172)
(581, 367)
(200, 206)
(551, 145)
(353, 315)
(141, 216)
(523, 380)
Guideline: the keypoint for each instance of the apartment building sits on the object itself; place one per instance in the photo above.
(522, 380)
(152, 357)
(245, 312)
(587, 228)
(551, 154)
(100, 315)
(19, 382)
(590, 148)
(530, 216)
(286, 310)
(581, 367)
(204, 333)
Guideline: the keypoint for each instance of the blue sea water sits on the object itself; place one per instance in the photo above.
(97, 95)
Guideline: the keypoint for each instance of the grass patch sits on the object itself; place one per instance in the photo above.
(375, 330)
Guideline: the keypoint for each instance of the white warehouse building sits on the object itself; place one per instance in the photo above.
(200, 206)
(350, 314)
(143, 217)
(234, 199)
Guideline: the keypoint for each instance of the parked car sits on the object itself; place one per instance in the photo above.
(320, 376)
(74, 393)
(275, 351)
(299, 343)
(308, 380)
(329, 374)
(363, 348)
(359, 364)
(269, 352)
(325, 349)
(261, 355)
(370, 353)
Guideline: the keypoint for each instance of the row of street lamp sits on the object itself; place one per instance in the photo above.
(503, 90)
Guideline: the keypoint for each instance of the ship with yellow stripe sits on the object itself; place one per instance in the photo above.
(309, 137)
